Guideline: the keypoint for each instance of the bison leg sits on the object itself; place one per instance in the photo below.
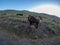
(30, 23)
(36, 25)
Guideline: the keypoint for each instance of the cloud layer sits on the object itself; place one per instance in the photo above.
(49, 9)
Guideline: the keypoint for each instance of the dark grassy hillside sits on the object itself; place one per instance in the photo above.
(26, 13)
(16, 29)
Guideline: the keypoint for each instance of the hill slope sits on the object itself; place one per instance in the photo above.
(18, 29)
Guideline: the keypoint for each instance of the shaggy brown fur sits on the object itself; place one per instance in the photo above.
(33, 21)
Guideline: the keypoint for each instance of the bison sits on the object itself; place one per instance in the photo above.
(33, 21)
